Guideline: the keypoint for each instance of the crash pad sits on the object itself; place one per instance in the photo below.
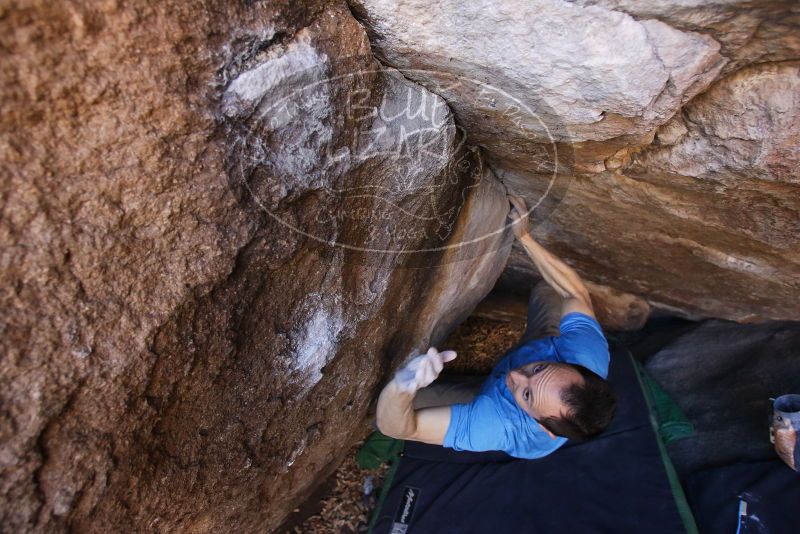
(620, 482)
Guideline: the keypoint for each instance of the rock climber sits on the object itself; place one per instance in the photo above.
(549, 388)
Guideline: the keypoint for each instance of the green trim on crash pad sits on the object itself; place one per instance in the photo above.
(378, 449)
(677, 490)
(671, 421)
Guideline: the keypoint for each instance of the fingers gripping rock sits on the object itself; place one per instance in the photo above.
(422, 370)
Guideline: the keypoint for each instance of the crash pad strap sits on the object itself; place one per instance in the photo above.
(672, 423)
(677, 490)
(378, 449)
(391, 452)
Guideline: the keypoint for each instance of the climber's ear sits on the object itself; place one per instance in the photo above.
(552, 436)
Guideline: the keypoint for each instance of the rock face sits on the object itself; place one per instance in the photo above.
(222, 227)
(748, 32)
(591, 111)
(225, 223)
(575, 62)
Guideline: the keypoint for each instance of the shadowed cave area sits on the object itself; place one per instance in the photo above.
(225, 226)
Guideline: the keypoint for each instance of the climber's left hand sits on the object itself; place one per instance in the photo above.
(422, 370)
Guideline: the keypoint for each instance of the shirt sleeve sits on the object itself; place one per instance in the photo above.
(582, 342)
(476, 426)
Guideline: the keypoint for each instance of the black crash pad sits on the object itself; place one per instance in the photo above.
(747, 497)
(616, 483)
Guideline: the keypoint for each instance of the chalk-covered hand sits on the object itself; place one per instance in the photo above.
(422, 370)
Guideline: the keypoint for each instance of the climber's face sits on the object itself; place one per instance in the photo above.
(537, 388)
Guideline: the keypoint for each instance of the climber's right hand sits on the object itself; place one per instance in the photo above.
(422, 370)
(518, 215)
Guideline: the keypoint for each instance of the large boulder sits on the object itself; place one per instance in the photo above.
(222, 226)
(706, 220)
(544, 71)
(590, 110)
(748, 31)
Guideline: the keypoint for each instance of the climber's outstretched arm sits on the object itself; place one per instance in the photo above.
(398, 419)
(555, 272)
(396, 416)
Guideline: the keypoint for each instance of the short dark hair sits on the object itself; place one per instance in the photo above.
(591, 406)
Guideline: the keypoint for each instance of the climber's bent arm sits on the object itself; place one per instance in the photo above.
(397, 418)
(560, 276)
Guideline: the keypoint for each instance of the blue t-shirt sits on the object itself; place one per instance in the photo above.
(493, 421)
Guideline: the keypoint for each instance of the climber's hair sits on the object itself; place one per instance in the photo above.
(591, 406)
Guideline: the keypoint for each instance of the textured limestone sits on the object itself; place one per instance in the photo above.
(748, 31)
(745, 128)
(687, 201)
(568, 64)
(203, 291)
(705, 221)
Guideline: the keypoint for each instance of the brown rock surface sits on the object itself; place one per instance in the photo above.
(706, 221)
(223, 224)
(174, 356)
